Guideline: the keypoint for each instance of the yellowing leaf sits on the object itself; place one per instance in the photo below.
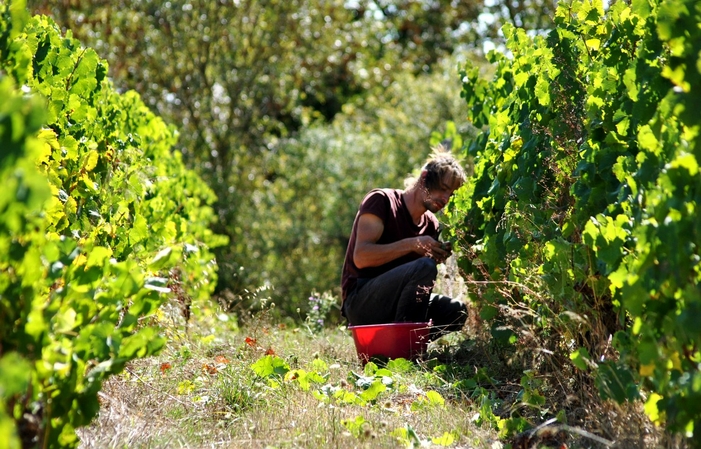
(651, 409)
(88, 182)
(593, 44)
(54, 210)
(447, 439)
(647, 370)
(48, 136)
(79, 260)
(675, 362)
(90, 160)
(71, 207)
(44, 155)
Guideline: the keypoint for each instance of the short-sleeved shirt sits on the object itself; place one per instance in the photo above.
(389, 206)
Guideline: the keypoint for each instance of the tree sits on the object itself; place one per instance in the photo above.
(237, 78)
(233, 76)
(326, 170)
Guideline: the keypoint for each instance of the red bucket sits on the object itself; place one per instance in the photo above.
(391, 340)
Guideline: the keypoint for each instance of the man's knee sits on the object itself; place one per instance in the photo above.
(448, 311)
(426, 267)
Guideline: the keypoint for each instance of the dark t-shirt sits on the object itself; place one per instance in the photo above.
(389, 206)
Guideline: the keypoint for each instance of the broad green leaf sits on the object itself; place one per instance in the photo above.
(161, 259)
(400, 366)
(97, 256)
(647, 139)
(14, 375)
(140, 231)
(630, 81)
(435, 398)
(270, 365)
(69, 146)
(144, 342)
(581, 358)
(84, 80)
(542, 89)
(65, 321)
(616, 382)
(373, 391)
(686, 161)
(641, 8)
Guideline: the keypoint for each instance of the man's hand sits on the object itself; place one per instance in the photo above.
(430, 247)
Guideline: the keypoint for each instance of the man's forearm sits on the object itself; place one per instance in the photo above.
(373, 254)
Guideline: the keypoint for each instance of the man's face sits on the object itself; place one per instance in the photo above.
(436, 199)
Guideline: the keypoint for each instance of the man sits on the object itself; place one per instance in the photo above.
(391, 261)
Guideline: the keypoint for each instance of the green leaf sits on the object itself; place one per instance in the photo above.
(270, 365)
(84, 81)
(400, 365)
(373, 391)
(488, 312)
(686, 161)
(616, 382)
(143, 343)
(162, 259)
(97, 256)
(446, 440)
(69, 146)
(435, 398)
(641, 8)
(140, 230)
(542, 90)
(15, 373)
(65, 321)
(647, 139)
(581, 358)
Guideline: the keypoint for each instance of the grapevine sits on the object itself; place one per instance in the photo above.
(585, 197)
(97, 216)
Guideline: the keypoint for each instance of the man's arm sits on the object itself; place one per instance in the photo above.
(368, 253)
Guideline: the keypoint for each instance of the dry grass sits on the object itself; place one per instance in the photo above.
(229, 406)
(201, 392)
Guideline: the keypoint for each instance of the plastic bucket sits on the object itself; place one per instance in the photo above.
(391, 340)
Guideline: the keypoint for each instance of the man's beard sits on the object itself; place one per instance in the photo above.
(432, 205)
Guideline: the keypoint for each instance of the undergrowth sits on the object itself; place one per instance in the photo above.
(272, 384)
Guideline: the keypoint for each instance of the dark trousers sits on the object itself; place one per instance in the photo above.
(404, 294)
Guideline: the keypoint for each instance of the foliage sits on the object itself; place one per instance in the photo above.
(264, 384)
(203, 389)
(305, 213)
(580, 225)
(98, 221)
(254, 88)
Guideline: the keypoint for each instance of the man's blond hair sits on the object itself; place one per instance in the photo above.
(441, 167)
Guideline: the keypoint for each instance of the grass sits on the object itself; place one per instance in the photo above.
(202, 392)
(215, 385)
